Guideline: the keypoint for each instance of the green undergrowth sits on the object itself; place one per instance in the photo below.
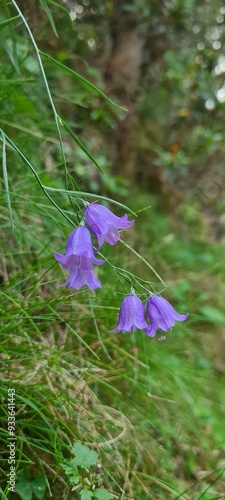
(98, 415)
(153, 411)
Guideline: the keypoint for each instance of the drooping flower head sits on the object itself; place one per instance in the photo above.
(79, 277)
(79, 258)
(161, 314)
(79, 251)
(105, 224)
(131, 315)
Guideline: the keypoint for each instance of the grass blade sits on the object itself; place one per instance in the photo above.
(81, 79)
(49, 16)
(79, 143)
(43, 188)
(145, 261)
(90, 195)
(9, 21)
(5, 178)
(57, 6)
(45, 81)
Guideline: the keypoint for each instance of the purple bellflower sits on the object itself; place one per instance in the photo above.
(161, 314)
(79, 258)
(105, 224)
(131, 315)
(79, 251)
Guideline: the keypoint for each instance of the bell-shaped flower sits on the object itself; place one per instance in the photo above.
(131, 315)
(161, 314)
(79, 258)
(105, 224)
(79, 251)
(79, 277)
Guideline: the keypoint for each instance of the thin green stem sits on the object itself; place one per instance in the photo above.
(90, 195)
(145, 262)
(47, 88)
(127, 275)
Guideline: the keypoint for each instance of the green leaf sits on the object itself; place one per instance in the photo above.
(23, 476)
(9, 21)
(71, 471)
(79, 143)
(57, 6)
(39, 486)
(102, 494)
(49, 15)
(86, 495)
(81, 78)
(73, 465)
(24, 489)
(84, 456)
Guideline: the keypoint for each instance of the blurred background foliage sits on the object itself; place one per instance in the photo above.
(164, 62)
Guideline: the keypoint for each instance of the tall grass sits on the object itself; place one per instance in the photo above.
(153, 410)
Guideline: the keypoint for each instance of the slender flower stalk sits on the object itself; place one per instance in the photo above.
(104, 224)
(131, 315)
(161, 314)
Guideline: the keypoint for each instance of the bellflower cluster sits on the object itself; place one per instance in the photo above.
(159, 311)
(157, 314)
(79, 257)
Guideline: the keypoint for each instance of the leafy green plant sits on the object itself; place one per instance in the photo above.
(30, 487)
(82, 475)
(141, 404)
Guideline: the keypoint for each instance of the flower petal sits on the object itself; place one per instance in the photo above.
(79, 277)
(167, 309)
(97, 261)
(67, 261)
(112, 236)
(123, 222)
(79, 243)
(161, 319)
(151, 330)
